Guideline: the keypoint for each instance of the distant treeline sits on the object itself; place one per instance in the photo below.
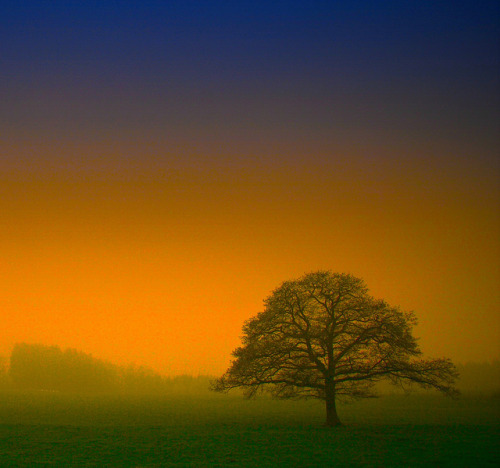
(480, 377)
(48, 368)
(475, 378)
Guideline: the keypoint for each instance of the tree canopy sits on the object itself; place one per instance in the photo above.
(323, 336)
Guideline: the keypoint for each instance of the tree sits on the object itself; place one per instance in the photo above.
(40, 367)
(323, 336)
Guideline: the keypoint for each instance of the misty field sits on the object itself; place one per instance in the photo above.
(50, 429)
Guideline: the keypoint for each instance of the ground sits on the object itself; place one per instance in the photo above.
(419, 430)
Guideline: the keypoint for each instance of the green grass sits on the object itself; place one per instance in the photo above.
(419, 430)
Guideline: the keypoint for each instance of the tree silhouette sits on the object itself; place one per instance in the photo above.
(323, 336)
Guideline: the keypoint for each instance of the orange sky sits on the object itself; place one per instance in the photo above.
(165, 165)
(160, 264)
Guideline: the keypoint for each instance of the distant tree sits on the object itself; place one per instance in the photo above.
(480, 378)
(30, 364)
(141, 380)
(4, 377)
(323, 336)
(40, 367)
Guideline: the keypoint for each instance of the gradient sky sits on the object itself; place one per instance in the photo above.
(165, 165)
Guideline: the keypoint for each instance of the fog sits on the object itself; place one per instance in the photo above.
(36, 367)
(42, 368)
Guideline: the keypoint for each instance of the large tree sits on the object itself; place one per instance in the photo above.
(323, 336)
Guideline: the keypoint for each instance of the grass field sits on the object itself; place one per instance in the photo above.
(46, 429)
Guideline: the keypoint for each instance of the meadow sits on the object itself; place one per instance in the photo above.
(53, 429)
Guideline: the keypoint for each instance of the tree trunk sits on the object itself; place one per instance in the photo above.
(332, 418)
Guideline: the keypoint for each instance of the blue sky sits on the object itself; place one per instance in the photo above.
(408, 71)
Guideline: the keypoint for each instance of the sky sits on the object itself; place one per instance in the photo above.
(165, 165)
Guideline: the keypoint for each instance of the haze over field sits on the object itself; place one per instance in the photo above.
(165, 165)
